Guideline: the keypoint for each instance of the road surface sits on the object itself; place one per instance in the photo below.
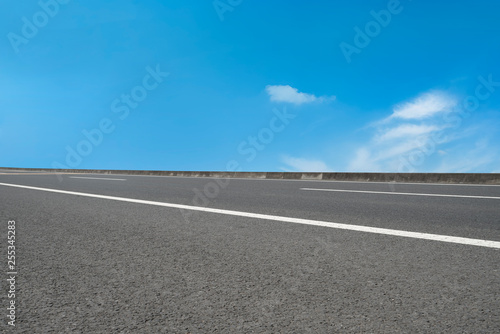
(136, 254)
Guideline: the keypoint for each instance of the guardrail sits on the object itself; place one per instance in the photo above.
(472, 178)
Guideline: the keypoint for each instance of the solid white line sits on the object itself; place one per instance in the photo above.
(396, 193)
(95, 178)
(359, 228)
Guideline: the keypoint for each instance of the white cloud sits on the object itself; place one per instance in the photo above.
(406, 130)
(392, 151)
(288, 94)
(363, 161)
(412, 130)
(305, 165)
(469, 159)
(424, 106)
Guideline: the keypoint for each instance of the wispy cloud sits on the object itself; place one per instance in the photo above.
(363, 161)
(288, 94)
(304, 165)
(404, 131)
(470, 157)
(412, 125)
(424, 106)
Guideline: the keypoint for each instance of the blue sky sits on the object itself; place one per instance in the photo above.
(251, 85)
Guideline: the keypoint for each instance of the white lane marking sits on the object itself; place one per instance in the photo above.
(396, 193)
(96, 178)
(359, 228)
(314, 180)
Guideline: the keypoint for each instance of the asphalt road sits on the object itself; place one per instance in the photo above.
(88, 264)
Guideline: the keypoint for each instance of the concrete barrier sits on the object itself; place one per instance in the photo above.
(470, 178)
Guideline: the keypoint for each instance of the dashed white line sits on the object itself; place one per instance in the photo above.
(96, 178)
(397, 193)
(358, 228)
(322, 181)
